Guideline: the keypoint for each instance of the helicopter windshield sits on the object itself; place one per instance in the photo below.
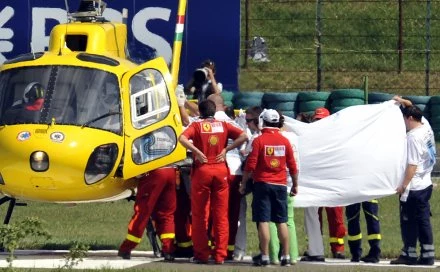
(65, 95)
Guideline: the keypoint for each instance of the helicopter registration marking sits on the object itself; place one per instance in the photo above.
(23, 136)
(57, 137)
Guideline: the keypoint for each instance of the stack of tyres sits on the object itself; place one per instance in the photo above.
(434, 106)
(227, 97)
(422, 102)
(245, 100)
(284, 102)
(378, 97)
(308, 102)
(341, 99)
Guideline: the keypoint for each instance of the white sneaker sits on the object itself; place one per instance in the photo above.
(238, 256)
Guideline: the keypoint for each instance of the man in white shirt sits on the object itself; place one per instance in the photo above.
(416, 189)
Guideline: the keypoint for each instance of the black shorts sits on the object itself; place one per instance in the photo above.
(269, 203)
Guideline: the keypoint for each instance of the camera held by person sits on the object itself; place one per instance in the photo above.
(203, 82)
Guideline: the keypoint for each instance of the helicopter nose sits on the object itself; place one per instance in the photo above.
(39, 161)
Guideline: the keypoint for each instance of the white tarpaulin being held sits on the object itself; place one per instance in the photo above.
(354, 155)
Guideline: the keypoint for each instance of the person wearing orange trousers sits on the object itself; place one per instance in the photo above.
(209, 179)
(336, 229)
(234, 163)
(156, 197)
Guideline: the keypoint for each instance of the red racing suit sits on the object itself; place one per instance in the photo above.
(337, 231)
(271, 153)
(209, 186)
(156, 197)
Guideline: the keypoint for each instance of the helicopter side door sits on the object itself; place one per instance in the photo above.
(152, 121)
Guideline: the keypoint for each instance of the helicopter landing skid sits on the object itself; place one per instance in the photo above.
(12, 204)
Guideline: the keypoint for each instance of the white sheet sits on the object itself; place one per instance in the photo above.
(354, 155)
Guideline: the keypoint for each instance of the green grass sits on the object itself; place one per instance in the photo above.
(358, 38)
(104, 225)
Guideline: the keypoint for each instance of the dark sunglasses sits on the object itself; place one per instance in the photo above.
(249, 120)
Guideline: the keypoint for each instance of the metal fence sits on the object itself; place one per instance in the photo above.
(326, 45)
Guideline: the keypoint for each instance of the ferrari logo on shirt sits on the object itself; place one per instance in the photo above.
(269, 151)
(215, 127)
(206, 127)
(275, 150)
(213, 140)
(274, 163)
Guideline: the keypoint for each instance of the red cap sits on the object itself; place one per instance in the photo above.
(321, 113)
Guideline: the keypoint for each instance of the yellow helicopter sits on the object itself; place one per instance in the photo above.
(80, 121)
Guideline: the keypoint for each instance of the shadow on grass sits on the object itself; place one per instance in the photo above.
(66, 246)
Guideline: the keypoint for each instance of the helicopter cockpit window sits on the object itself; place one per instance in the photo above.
(63, 95)
(149, 98)
(25, 57)
(154, 145)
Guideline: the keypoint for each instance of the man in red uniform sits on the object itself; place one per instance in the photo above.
(156, 197)
(209, 177)
(234, 162)
(271, 154)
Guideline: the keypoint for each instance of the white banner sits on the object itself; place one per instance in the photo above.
(354, 155)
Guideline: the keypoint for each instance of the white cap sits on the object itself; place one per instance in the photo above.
(270, 116)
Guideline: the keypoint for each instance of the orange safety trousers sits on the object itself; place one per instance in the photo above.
(156, 197)
(337, 231)
(210, 192)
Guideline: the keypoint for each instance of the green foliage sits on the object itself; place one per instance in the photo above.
(12, 235)
(76, 255)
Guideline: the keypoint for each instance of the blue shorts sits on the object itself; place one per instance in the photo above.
(269, 203)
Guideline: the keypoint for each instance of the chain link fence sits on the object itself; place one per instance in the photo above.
(325, 45)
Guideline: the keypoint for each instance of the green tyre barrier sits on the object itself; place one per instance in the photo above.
(375, 102)
(415, 99)
(434, 110)
(435, 100)
(228, 104)
(289, 113)
(279, 97)
(435, 120)
(347, 93)
(312, 96)
(437, 136)
(227, 95)
(247, 95)
(244, 103)
(282, 106)
(376, 98)
(425, 109)
(347, 102)
(336, 109)
(307, 113)
(436, 130)
(310, 106)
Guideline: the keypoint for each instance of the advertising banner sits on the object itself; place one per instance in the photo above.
(212, 31)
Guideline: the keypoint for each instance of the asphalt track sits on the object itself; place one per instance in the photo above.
(107, 259)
